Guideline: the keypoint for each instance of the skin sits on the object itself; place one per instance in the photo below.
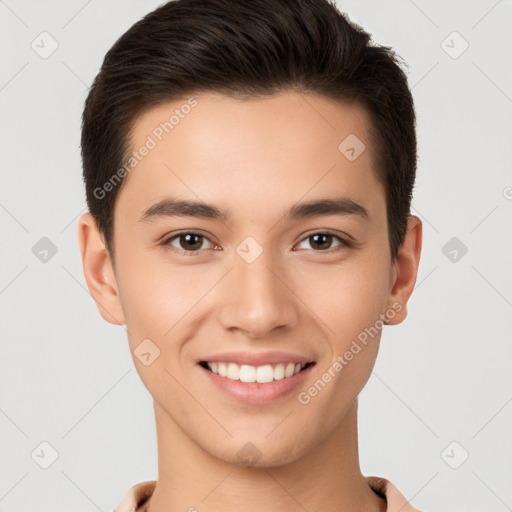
(255, 158)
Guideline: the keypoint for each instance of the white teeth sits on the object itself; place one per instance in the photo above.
(290, 369)
(265, 373)
(279, 372)
(261, 374)
(223, 369)
(247, 373)
(233, 371)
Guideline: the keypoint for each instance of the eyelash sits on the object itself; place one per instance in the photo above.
(344, 243)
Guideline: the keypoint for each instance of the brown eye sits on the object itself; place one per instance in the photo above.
(322, 241)
(188, 242)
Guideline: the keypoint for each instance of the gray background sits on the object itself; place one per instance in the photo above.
(441, 388)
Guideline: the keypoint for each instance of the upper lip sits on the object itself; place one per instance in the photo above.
(257, 359)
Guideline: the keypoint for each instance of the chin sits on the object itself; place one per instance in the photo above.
(258, 454)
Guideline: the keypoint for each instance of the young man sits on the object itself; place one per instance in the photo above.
(249, 169)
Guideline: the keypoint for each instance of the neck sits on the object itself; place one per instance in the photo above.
(326, 478)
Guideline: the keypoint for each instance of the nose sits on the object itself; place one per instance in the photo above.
(258, 298)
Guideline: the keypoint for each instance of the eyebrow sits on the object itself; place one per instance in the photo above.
(173, 207)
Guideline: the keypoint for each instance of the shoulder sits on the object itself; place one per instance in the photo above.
(136, 497)
(395, 499)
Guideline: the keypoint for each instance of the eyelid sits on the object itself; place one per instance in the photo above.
(346, 241)
(326, 231)
(167, 239)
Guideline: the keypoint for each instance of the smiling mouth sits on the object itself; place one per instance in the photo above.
(260, 374)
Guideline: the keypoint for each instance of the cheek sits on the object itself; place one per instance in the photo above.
(348, 303)
(345, 298)
(159, 300)
(156, 300)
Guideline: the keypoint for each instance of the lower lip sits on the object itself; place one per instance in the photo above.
(254, 392)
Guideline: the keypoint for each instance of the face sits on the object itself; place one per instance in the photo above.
(255, 269)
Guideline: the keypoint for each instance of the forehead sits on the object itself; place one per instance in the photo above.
(301, 117)
(268, 149)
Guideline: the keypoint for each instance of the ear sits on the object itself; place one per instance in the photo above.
(98, 271)
(405, 270)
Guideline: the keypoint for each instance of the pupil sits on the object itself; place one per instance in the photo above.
(189, 246)
(324, 236)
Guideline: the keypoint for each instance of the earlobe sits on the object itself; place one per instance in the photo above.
(405, 270)
(98, 272)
